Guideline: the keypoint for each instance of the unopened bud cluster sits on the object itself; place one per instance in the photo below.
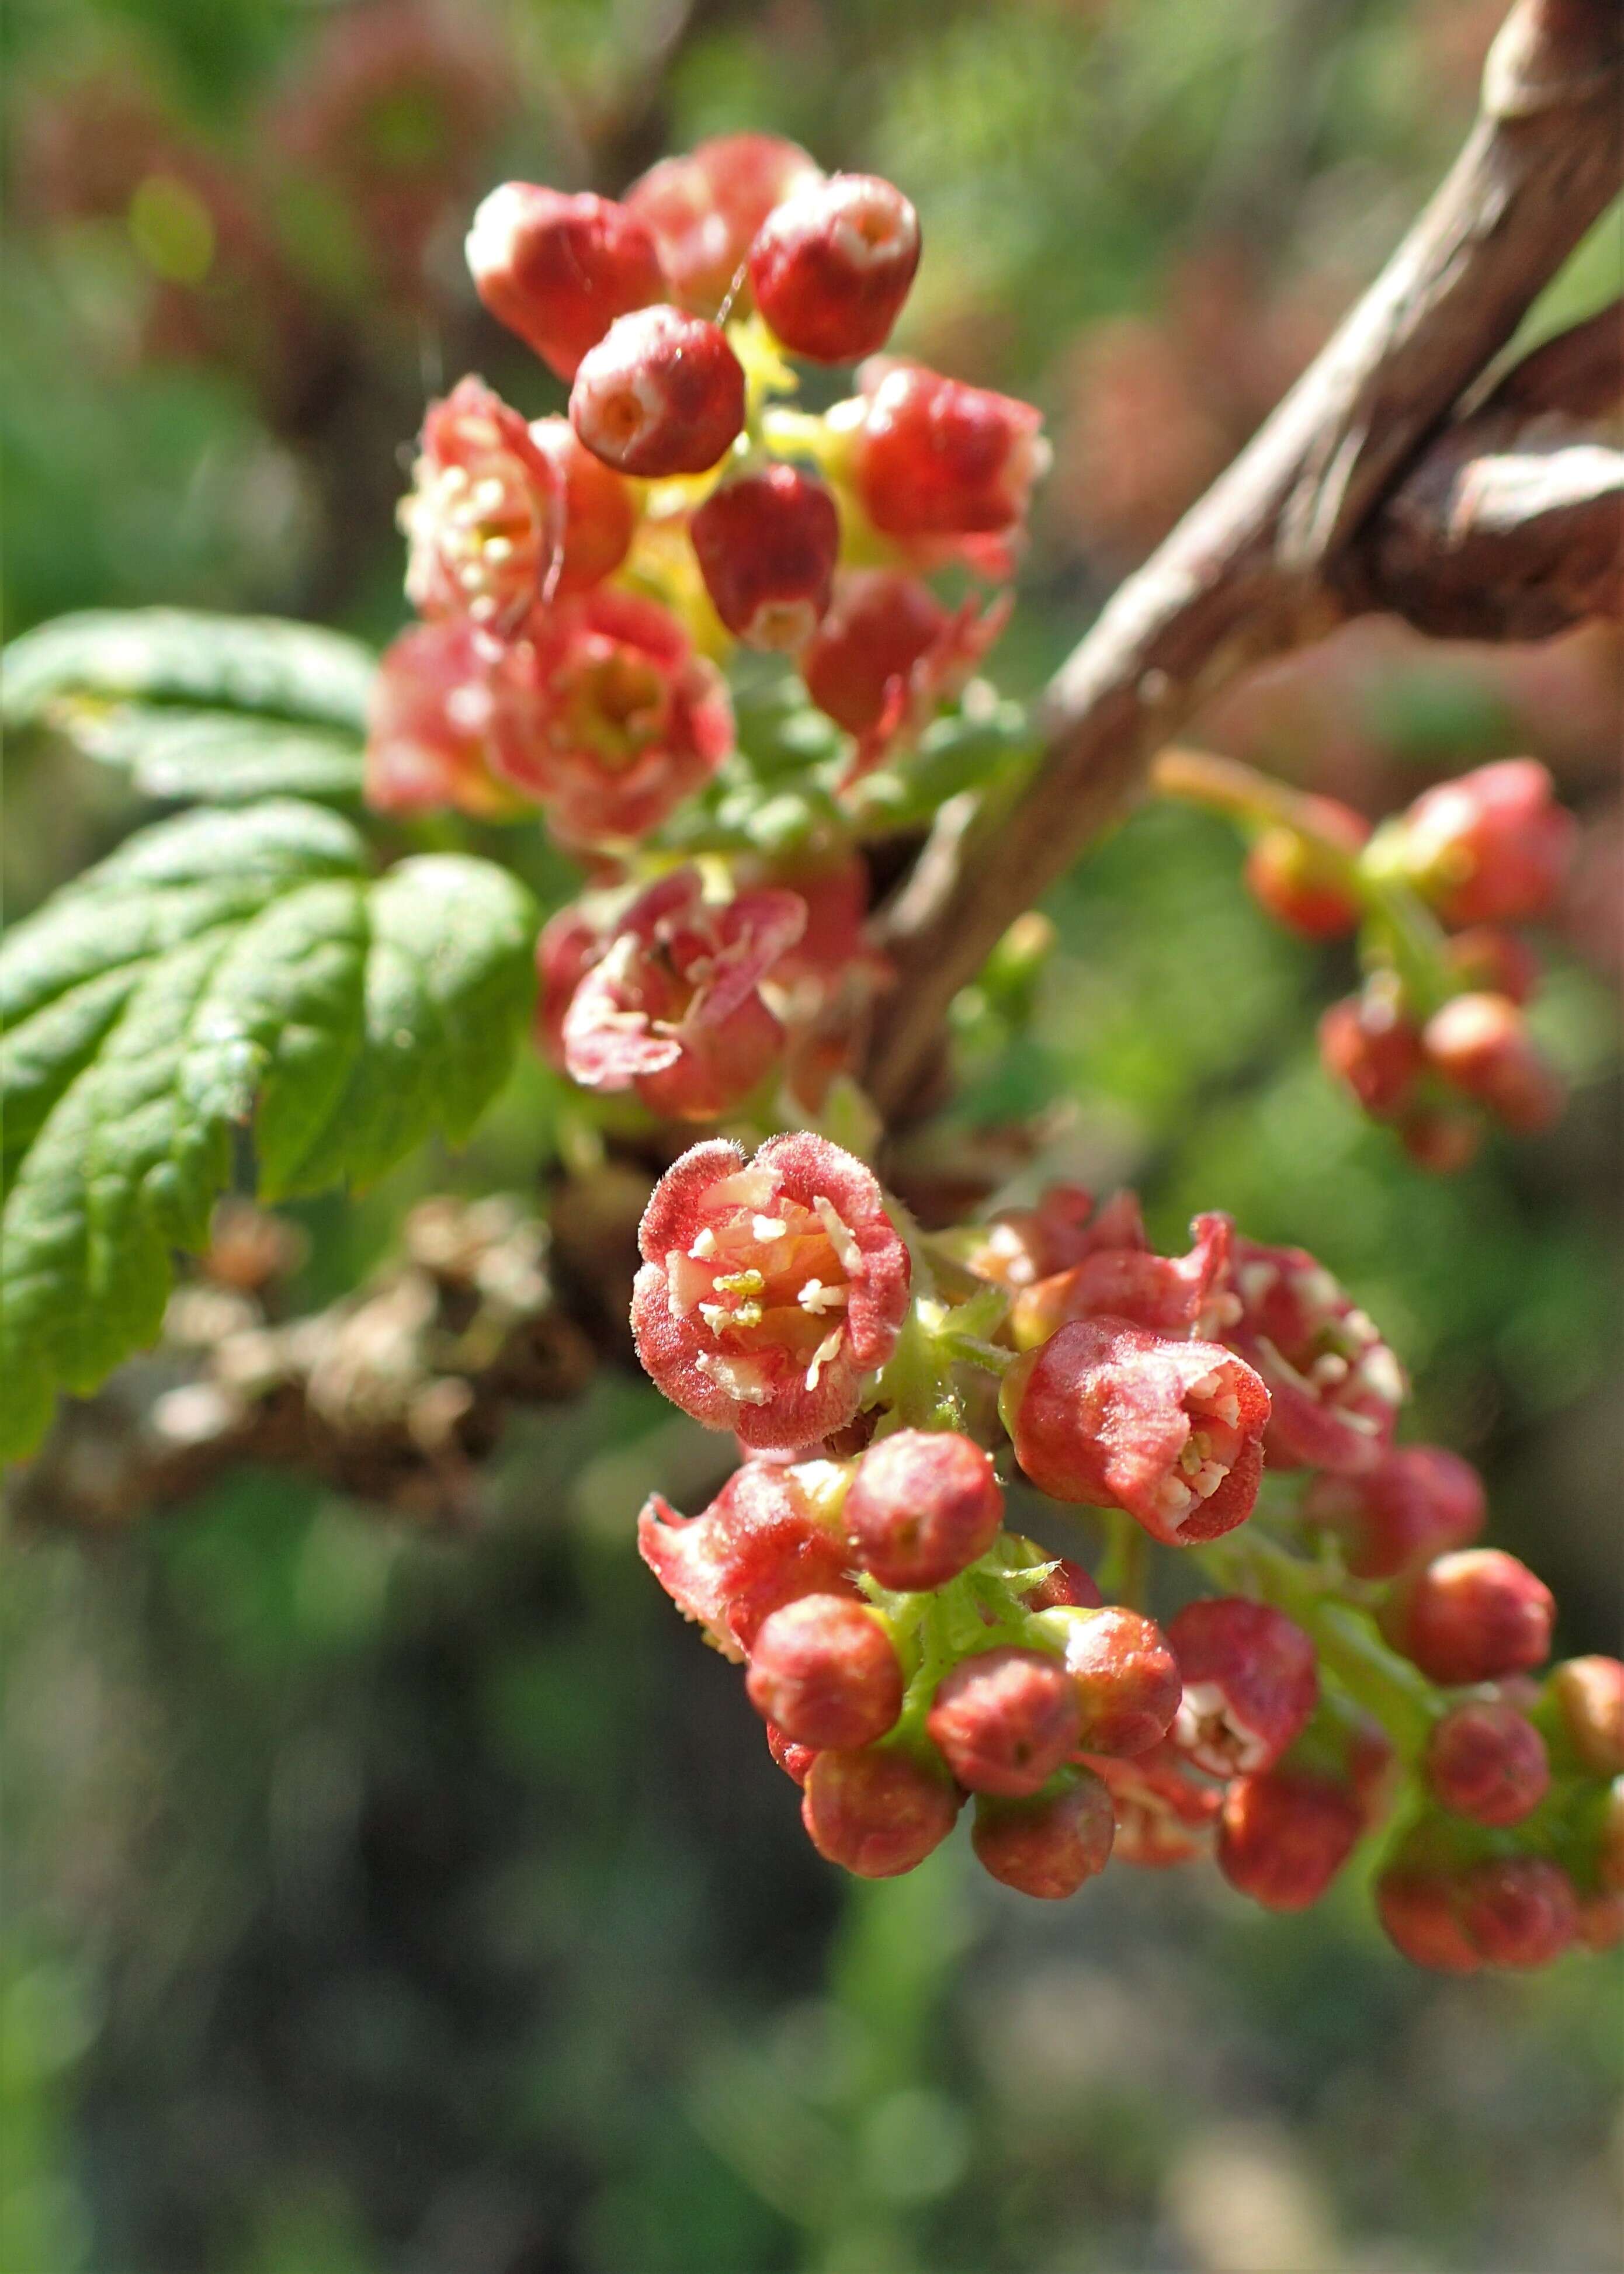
(909, 1654)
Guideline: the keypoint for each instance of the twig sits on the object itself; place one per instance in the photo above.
(1247, 574)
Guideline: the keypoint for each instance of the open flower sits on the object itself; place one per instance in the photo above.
(432, 721)
(624, 722)
(764, 1541)
(484, 512)
(768, 1291)
(1168, 1294)
(668, 1001)
(1336, 1386)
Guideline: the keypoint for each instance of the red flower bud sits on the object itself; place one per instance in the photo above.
(661, 394)
(768, 1291)
(878, 1813)
(558, 270)
(1488, 1762)
(1488, 960)
(1284, 1835)
(759, 1545)
(923, 1504)
(1490, 847)
(1165, 1811)
(1165, 1294)
(831, 267)
(1066, 1587)
(669, 1001)
(1301, 885)
(1518, 1910)
(1336, 1386)
(887, 655)
(705, 207)
(1049, 1846)
(620, 719)
(1481, 1045)
(1251, 1682)
(934, 458)
(1368, 1043)
(822, 1667)
(1108, 1414)
(1417, 1908)
(441, 692)
(795, 1760)
(1124, 1672)
(1420, 1502)
(1472, 1616)
(1006, 1721)
(600, 512)
(1590, 1696)
(766, 547)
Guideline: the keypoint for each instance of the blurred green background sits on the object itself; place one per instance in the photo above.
(381, 1901)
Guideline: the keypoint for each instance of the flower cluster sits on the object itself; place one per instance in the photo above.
(1437, 1038)
(585, 580)
(909, 1652)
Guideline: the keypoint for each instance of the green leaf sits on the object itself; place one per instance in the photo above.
(191, 705)
(225, 969)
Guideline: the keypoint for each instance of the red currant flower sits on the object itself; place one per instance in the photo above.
(878, 1813)
(1371, 1045)
(442, 692)
(600, 517)
(559, 270)
(1049, 1846)
(1122, 1670)
(1487, 1761)
(1475, 1615)
(936, 462)
(1107, 1414)
(824, 1670)
(1336, 1386)
(1292, 878)
(705, 207)
(1006, 1721)
(923, 1504)
(661, 394)
(1021, 1246)
(1165, 1812)
(888, 655)
(1284, 1835)
(763, 1542)
(1490, 847)
(624, 720)
(1419, 1500)
(1416, 1904)
(669, 1002)
(1250, 1684)
(1481, 1045)
(479, 520)
(769, 1290)
(831, 265)
(1517, 1910)
(1167, 1295)
(766, 545)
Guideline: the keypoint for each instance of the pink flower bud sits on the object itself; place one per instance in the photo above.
(1336, 1386)
(795, 1760)
(823, 1670)
(1481, 1044)
(1419, 1501)
(766, 545)
(923, 1504)
(1165, 1811)
(1051, 1844)
(668, 1001)
(1124, 1672)
(1518, 1910)
(880, 1813)
(831, 267)
(1487, 1761)
(1284, 1834)
(600, 512)
(768, 1291)
(621, 721)
(559, 270)
(1006, 1721)
(704, 208)
(1251, 1682)
(1417, 1908)
(1165, 1294)
(1490, 847)
(1589, 1697)
(1173, 1431)
(1299, 883)
(661, 394)
(481, 520)
(1474, 1615)
(934, 458)
(1368, 1043)
(887, 655)
(759, 1545)
(441, 693)
(1066, 1587)
(1488, 960)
